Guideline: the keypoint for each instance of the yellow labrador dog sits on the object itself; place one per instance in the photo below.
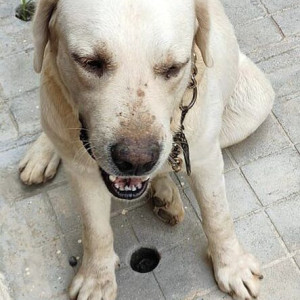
(114, 75)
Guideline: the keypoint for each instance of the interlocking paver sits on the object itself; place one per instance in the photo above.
(276, 176)
(256, 234)
(285, 217)
(287, 113)
(40, 226)
(185, 269)
(275, 5)
(27, 116)
(281, 281)
(269, 138)
(289, 21)
(255, 36)
(135, 286)
(16, 74)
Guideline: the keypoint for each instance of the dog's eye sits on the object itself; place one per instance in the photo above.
(172, 72)
(96, 66)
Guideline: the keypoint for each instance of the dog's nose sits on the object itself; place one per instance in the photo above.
(135, 157)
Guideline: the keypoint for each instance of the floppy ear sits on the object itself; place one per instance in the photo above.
(203, 31)
(41, 30)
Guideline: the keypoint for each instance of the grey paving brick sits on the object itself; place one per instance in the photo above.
(256, 234)
(74, 243)
(288, 112)
(228, 164)
(40, 218)
(15, 36)
(250, 36)
(289, 21)
(7, 128)
(136, 286)
(274, 177)
(267, 139)
(275, 5)
(215, 295)
(153, 232)
(241, 198)
(125, 242)
(278, 57)
(285, 217)
(286, 81)
(185, 269)
(297, 259)
(7, 8)
(240, 12)
(17, 75)
(281, 281)
(27, 116)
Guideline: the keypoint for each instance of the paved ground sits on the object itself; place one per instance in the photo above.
(40, 228)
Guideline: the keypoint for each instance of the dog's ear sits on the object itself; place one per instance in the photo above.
(41, 21)
(203, 31)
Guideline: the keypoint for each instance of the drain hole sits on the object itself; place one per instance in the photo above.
(144, 260)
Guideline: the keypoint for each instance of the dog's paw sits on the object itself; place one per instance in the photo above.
(240, 278)
(40, 162)
(95, 281)
(166, 200)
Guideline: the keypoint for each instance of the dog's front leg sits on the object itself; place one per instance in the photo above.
(236, 271)
(96, 277)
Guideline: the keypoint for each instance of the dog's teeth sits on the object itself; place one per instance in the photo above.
(112, 178)
(133, 188)
(127, 188)
(139, 186)
(121, 188)
(116, 186)
(145, 178)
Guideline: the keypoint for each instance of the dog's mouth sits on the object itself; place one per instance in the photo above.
(127, 188)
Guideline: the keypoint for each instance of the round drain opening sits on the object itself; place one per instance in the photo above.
(144, 260)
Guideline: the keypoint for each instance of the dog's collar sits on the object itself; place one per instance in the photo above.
(180, 142)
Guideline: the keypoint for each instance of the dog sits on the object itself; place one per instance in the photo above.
(114, 80)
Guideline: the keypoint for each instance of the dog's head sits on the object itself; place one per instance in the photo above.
(126, 65)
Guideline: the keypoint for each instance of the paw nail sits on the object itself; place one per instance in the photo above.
(261, 277)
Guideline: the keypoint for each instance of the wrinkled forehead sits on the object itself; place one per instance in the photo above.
(128, 25)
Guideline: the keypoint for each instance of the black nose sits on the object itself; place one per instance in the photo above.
(135, 157)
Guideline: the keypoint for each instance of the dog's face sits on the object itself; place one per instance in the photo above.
(126, 65)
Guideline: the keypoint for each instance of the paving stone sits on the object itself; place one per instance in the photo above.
(287, 113)
(17, 75)
(274, 177)
(137, 286)
(289, 20)
(297, 259)
(215, 295)
(125, 242)
(267, 139)
(7, 8)
(257, 236)
(240, 12)
(286, 81)
(74, 243)
(275, 5)
(27, 116)
(66, 208)
(281, 281)
(185, 269)
(250, 36)
(241, 198)
(228, 164)
(162, 235)
(285, 217)
(7, 128)
(40, 218)
(15, 36)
